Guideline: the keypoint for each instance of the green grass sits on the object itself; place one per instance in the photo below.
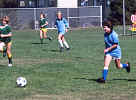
(70, 75)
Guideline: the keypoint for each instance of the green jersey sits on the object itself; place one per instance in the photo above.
(5, 31)
(43, 22)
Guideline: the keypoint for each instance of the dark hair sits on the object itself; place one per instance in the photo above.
(43, 14)
(108, 23)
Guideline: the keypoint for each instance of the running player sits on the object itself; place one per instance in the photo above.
(5, 37)
(62, 26)
(133, 20)
(112, 50)
(43, 28)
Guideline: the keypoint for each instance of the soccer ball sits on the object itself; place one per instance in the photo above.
(21, 82)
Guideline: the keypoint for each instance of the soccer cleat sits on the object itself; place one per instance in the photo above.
(100, 80)
(9, 65)
(50, 38)
(61, 49)
(128, 67)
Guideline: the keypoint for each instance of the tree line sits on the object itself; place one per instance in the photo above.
(116, 14)
(116, 6)
(8, 4)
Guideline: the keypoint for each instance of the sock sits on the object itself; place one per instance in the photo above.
(66, 44)
(61, 44)
(41, 41)
(123, 65)
(10, 58)
(105, 73)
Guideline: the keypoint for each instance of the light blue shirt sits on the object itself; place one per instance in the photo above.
(61, 24)
(110, 40)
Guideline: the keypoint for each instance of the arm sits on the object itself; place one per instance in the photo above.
(9, 33)
(111, 48)
(115, 42)
(6, 35)
(66, 23)
(46, 23)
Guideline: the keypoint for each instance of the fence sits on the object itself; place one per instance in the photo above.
(28, 18)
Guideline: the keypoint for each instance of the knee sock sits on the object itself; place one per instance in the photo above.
(41, 41)
(10, 58)
(123, 65)
(105, 73)
(66, 44)
(61, 44)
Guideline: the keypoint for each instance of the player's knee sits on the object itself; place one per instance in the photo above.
(118, 66)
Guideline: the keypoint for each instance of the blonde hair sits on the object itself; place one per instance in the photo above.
(6, 19)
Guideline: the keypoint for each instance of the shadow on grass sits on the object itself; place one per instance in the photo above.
(96, 80)
(39, 43)
(130, 80)
(1, 66)
(86, 79)
(50, 50)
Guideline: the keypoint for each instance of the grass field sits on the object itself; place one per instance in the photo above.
(70, 75)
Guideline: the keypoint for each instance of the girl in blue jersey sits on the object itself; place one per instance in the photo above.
(112, 50)
(62, 26)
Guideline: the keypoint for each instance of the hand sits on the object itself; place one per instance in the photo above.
(106, 50)
(66, 30)
(1, 35)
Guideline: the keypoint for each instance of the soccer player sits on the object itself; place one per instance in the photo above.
(112, 50)
(133, 20)
(62, 26)
(43, 28)
(5, 37)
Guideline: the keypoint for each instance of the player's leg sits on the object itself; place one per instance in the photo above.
(9, 54)
(119, 65)
(65, 43)
(2, 49)
(41, 36)
(107, 60)
(45, 34)
(60, 36)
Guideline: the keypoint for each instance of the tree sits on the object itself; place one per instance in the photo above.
(8, 3)
(1, 3)
(116, 14)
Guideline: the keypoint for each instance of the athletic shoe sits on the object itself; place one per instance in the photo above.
(50, 38)
(100, 80)
(128, 67)
(67, 49)
(9, 65)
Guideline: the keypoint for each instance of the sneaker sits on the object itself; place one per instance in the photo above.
(50, 38)
(100, 80)
(67, 49)
(128, 68)
(61, 49)
(9, 65)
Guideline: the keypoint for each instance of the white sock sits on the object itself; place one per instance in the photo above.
(60, 42)
(66, 44)
(106, 68)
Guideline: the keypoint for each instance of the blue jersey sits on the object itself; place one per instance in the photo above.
(110, 40)
(61, 24)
